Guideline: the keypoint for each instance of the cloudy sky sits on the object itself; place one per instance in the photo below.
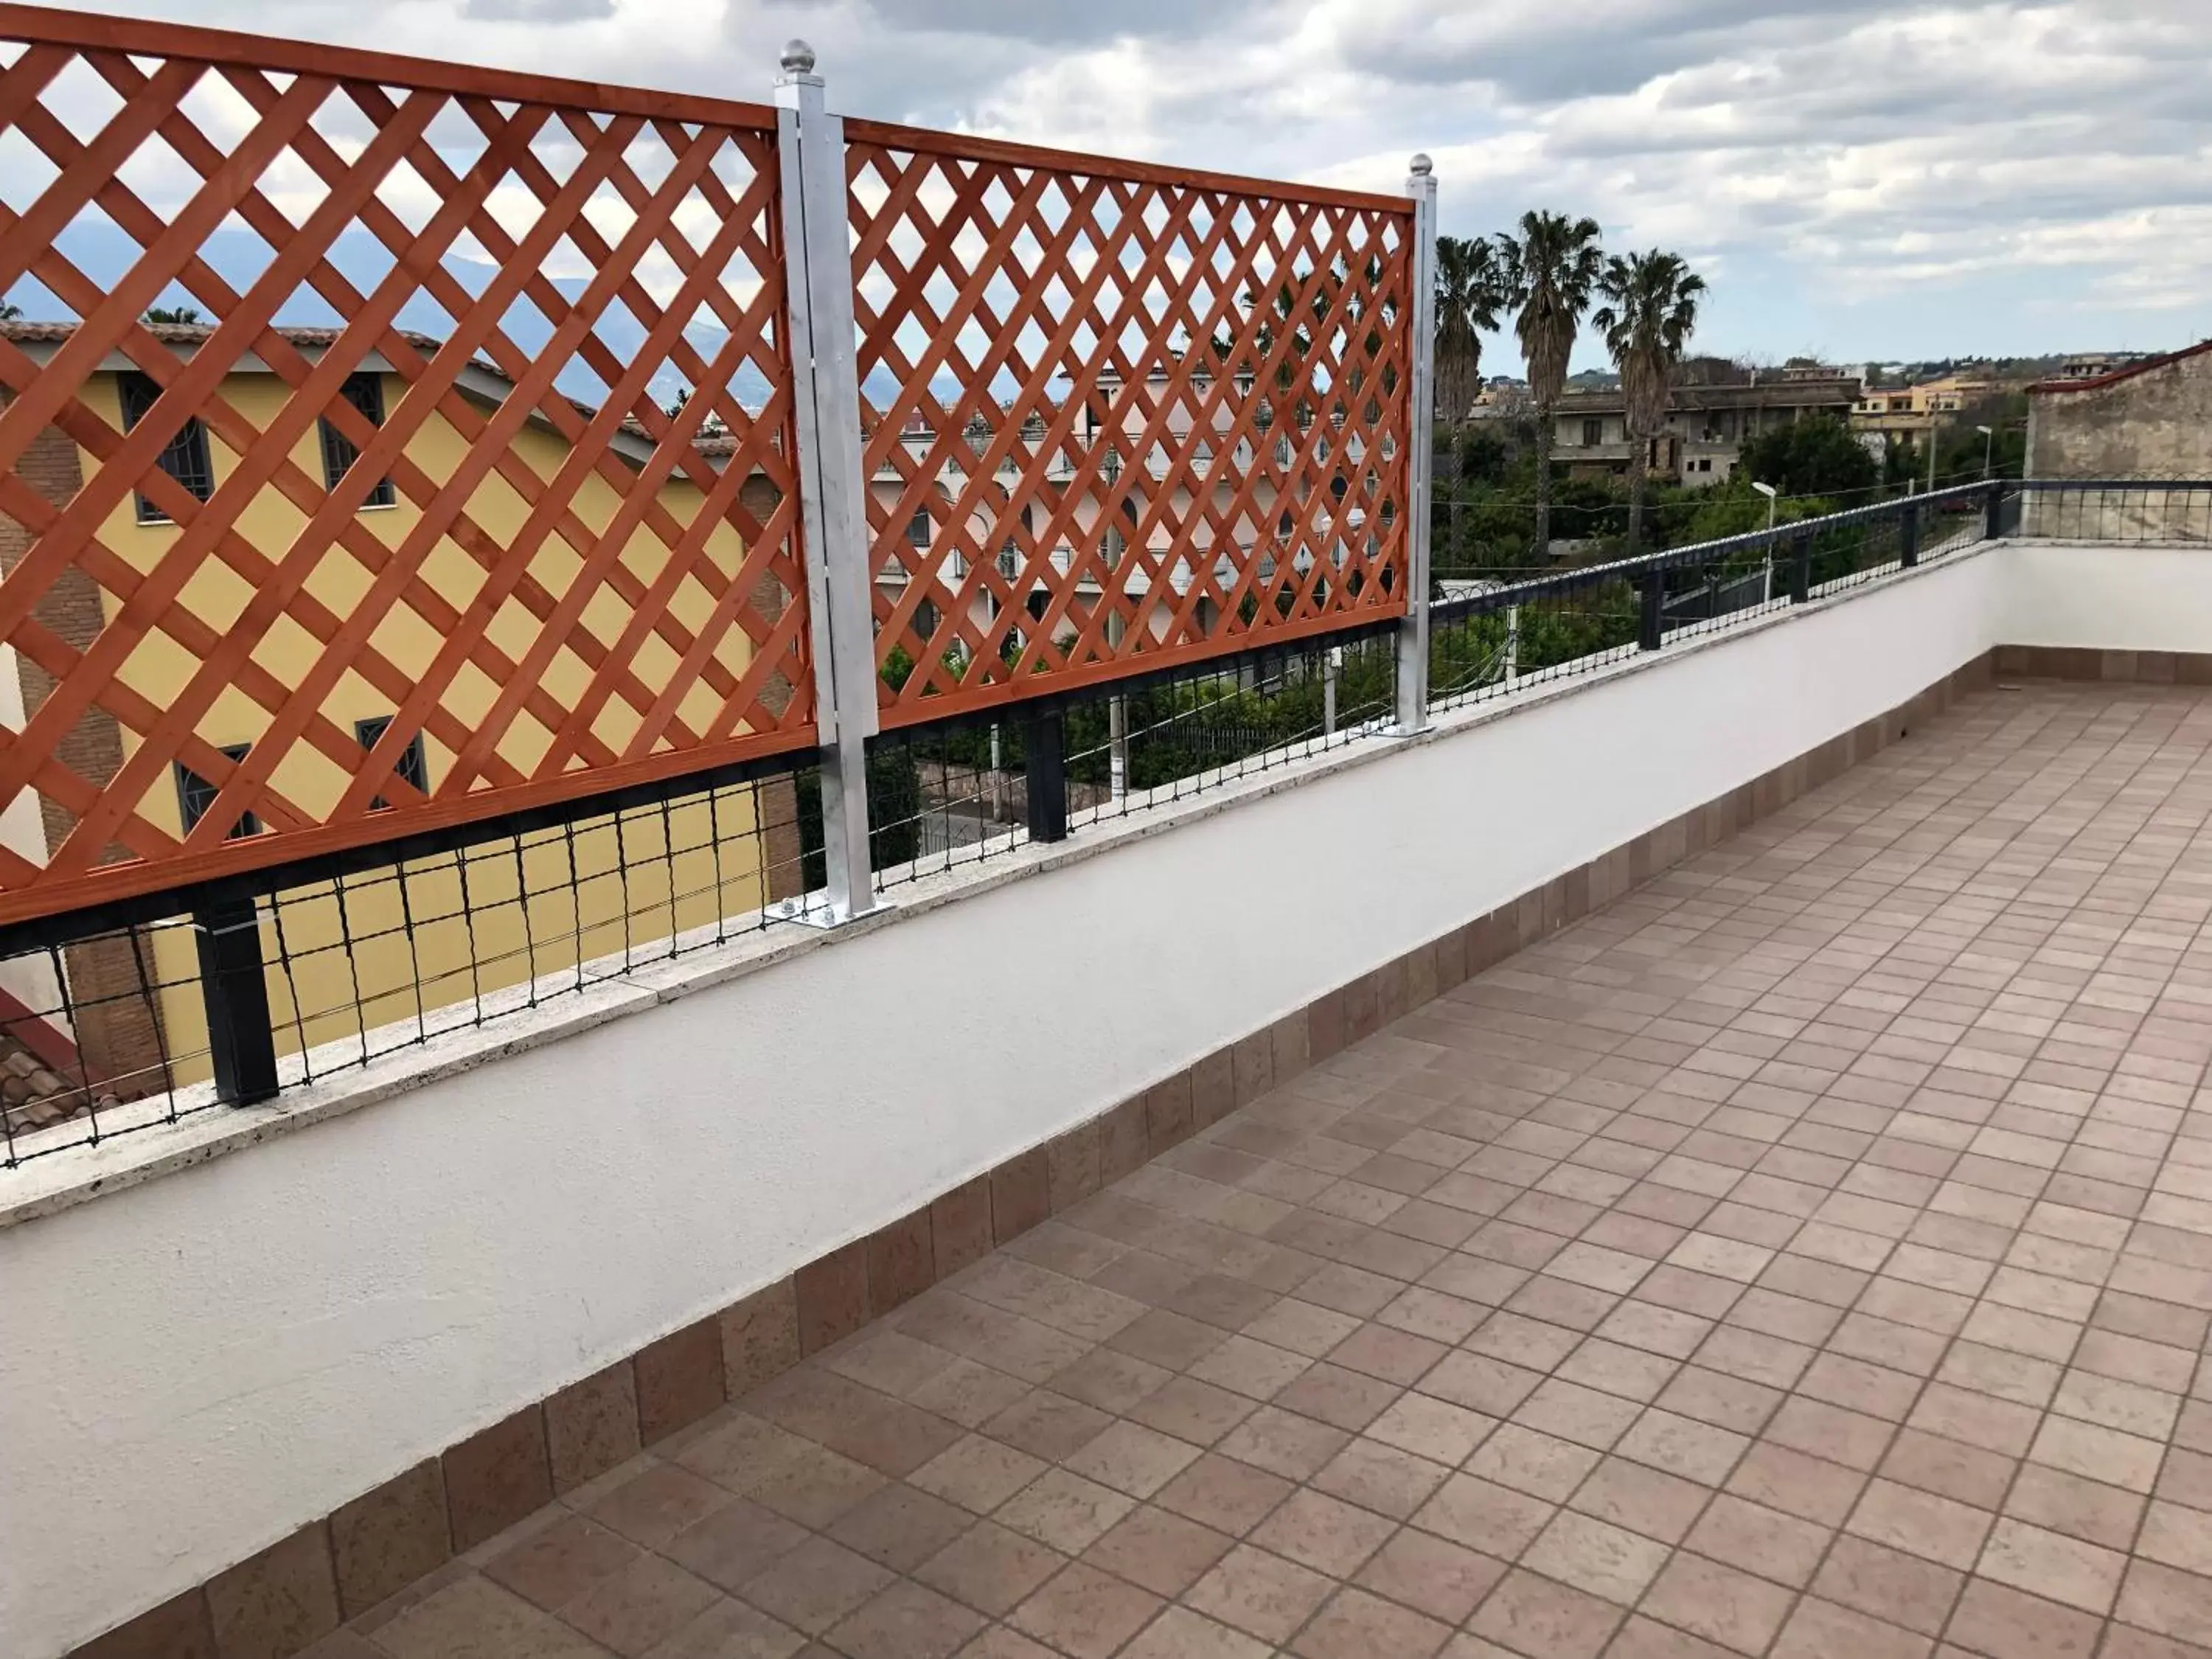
(1857, 178)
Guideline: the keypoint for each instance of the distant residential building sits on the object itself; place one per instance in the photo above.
(2148, 419)
(137, 1042)
(1911, 410)
(1503, 400)
(2096, 365)
(1716, 408)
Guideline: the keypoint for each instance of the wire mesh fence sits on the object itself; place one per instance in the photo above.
(1491, 638)
(2169, 510)
(104, 1033)
(110, 1033)
(1129, 751)
(940, 797)
(1482, 532)
(959, 791)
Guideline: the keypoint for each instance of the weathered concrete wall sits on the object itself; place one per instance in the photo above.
(2154, 424)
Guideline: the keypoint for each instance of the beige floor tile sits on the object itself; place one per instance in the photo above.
(1730, 1607)
(990, 1568)
(1259, 1593)
(1431, 1575)
(1085, 1613)
(2050, 1564)
(1596, 1556)
(1803, 1255)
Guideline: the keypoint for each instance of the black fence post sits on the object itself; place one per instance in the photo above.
(242, 1041)
(1801, 568)
(1908, 535)
(1045, 759)
(1993, 511)
(1650, 623)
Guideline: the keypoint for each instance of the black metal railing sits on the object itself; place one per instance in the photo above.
(978, 786)
(1502, 637)
(146, 1012)
(150, 1009)
(2170, 511)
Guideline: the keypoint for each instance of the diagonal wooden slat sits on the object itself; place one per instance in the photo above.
(512, 361)
(203, 525)
(287, 361)
(1062, 356)
(1138, 314)
(470, 329)
(236, 793)
(594, 553)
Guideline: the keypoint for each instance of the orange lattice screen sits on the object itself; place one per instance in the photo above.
(1118, 417)
(385, 445)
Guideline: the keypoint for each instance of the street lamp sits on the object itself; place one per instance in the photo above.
(1772, 497)
(1769, 491)
(1989, 444)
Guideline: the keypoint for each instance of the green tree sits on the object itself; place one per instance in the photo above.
(175, 316)
(1471, 291)
(1819, 457)
(1961, 450)
(10, 313)
(1734, 509)
(1483, 454)
(1550, 269)
(1651, 306)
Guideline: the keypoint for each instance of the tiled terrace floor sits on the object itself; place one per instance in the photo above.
(1809, 1255)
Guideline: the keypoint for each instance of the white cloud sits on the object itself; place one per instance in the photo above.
(1887, 174)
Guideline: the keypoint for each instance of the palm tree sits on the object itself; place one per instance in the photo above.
(1550, 269)
(1471, 290)
(187, 316)
(1651, 306)
(10, 314)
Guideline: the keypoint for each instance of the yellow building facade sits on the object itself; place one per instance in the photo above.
(393, 947)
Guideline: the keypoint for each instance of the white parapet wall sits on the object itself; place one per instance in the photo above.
(2107, 598)
(196, 1364)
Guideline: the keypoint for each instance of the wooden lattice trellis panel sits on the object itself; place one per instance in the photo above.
(584, 581)
(1118, 417)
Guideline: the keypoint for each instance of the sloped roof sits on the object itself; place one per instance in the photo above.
(35, 333)
(2145, 366)
(715, 443)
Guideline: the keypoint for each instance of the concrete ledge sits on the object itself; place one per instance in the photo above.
(49, 1185)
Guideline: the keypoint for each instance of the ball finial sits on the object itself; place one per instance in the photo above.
(1422, 166)
(798, 58)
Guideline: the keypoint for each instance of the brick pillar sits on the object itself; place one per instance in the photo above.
(118, 1025)
(777, 803)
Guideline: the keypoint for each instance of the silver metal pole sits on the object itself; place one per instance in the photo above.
(998, 780)
(1331, 665)
(833, 502)
(1512, 642)
(1413, 631)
